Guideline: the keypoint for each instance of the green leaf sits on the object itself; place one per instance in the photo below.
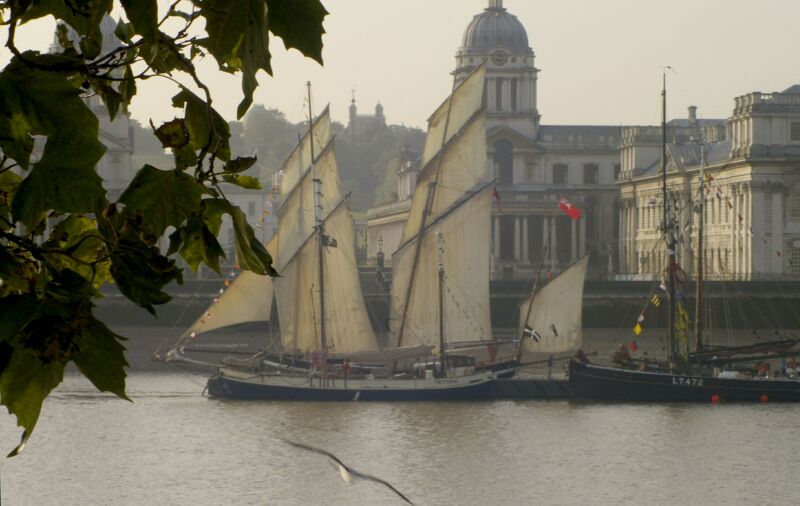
(9, 181)
(250, 253)
(299, 24)
(240, 164)
(248, 182)
(101, 358)
(143, 14)
(141, 273)
(197, 244)
(24, 385)
(162, 197)
(215, 133)
(35, 102)
(213, 210)
(172, 134)
(84, 16)
(238, 39)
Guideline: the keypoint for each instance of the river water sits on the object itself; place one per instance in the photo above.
(174, 446)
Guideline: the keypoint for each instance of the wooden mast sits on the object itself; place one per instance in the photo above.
(431, 192)
(318, 225)
(698, 310)
(442, 357)
(671, 253)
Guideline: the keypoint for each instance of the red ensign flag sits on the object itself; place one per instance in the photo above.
(572, 211)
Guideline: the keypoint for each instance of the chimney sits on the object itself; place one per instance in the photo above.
(692, 114)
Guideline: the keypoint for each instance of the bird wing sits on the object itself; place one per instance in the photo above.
(352, 472)
(374, 478)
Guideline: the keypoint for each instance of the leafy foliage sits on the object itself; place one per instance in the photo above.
(61, 237)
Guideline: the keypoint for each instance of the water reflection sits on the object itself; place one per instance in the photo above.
(174, 446)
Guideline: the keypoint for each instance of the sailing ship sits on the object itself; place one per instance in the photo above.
(686, 376)
(452, 201)
(321, 308)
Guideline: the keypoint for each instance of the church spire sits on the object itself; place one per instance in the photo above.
(495, 4)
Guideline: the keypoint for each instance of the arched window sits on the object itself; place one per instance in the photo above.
(560, 173)
(504, 161)
(591, 173)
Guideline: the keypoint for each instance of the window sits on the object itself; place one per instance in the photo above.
(617, 170)
(795, 260)
(591, 174)
(794, 202)
(504, 161)
(530, 172)
(251, 208)
(560, 173)
(795, 131)
(498, 93)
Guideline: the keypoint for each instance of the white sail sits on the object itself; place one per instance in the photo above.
(557, 311)
(299, 159)
(463, 166)
(466, 230)
(347, 327)
(296, 215)
(452, 197)
(467, 99)
(248, 299)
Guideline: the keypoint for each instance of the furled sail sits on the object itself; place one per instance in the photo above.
(557, 311)
(452, 197)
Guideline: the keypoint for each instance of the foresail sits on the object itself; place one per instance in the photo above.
(467, 99)
(300, 158)
(297, 294)
(248, 299)
(466, 229)
(557, 312)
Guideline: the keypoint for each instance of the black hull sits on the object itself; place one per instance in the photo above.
(588, 381)
(220, 386)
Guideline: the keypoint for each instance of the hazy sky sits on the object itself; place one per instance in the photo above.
(600, 60)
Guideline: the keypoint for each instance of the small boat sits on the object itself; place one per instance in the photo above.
(685, 376)
(589, 381)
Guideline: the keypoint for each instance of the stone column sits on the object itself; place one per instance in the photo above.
(573, 252)
(546, 246)
(517, 241)
(496, 241)
(553, 243)
(777, 226)
(622, 264)
(748, 231)
(526, 257)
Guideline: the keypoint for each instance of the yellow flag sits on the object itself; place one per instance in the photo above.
(655, 300)
(637, 329)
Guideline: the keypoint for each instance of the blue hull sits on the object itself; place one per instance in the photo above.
(219, 386)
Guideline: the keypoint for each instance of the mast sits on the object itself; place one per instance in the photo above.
(428, 203)
(671, 253)
(533, 296)
(442, 367)
(698, 311)
(318, 225)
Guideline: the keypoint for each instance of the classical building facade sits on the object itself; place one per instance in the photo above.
(535, 165)
(751, 193)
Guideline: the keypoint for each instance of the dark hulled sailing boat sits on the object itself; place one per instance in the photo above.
(683, 378)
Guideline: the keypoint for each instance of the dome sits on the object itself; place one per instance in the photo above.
(495, 27)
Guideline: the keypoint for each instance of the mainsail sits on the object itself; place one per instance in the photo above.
(297, 243)
(452, 198)
(557, 311)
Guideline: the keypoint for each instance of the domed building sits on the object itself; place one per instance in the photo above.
(535, 165)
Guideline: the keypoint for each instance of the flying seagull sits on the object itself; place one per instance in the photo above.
(347, 473)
